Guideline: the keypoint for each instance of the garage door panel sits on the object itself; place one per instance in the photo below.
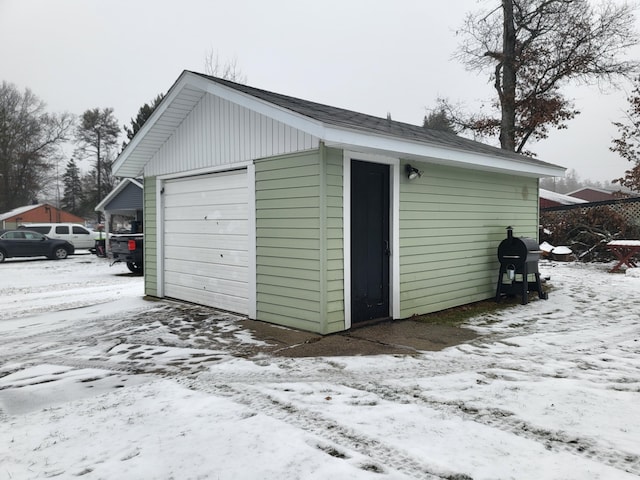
(218, 227)
(221, 197)
(208, 298)
(221, 288)
(207, 213)
(228, 266)
(205, 240)
(203, 183)
(228, 277)
(183, 242)
(187, 186)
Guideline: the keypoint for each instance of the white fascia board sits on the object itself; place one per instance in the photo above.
(227, 167)
(171, 95)
(408, 149)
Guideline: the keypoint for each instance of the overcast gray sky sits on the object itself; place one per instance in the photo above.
(371, 56)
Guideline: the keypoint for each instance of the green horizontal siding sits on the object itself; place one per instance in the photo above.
(150, 238)
(299, 257)
(451, 222)
(288, 258)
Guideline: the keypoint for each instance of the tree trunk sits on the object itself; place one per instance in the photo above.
(508, 71)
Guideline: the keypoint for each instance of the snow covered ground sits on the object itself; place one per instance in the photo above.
(98, 383)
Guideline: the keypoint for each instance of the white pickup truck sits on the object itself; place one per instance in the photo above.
(81, 237)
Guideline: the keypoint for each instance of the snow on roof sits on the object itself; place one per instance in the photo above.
(18, 211)
(560, 198)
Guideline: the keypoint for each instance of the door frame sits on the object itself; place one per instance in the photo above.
(394, 226)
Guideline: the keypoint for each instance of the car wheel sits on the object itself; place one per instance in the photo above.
(59, 253)
(2, 256)
(135, 267)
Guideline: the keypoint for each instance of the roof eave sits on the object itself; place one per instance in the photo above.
(421, 151)
(124, 166)
(135, 156)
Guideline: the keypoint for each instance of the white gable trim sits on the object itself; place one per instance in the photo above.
(190, 87)
(140, 149)
(130, 161)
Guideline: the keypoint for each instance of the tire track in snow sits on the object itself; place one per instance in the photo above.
(556, 440)
(508, 422)
(331, 369)
(383, 456)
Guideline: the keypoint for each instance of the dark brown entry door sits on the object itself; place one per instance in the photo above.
(369, 241)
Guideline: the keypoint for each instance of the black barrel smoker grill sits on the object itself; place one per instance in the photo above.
(519, 258)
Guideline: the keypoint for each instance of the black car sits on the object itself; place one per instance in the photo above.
(25, 243)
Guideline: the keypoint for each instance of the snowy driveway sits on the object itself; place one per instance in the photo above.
(96, 382)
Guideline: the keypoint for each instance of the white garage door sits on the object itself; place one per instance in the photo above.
(206, 240)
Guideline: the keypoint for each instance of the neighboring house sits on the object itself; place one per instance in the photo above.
(304, 215)
(592, 194)
(125, 200)
(553, 199)
(39, 213)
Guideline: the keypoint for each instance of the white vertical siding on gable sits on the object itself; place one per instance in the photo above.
(218, 132)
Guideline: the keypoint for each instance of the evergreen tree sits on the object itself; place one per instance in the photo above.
(143, 115)
(438, 119)
(89, 182)
(72, 197)
(97, 135)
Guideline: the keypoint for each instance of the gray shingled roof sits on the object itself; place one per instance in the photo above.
(343, 118)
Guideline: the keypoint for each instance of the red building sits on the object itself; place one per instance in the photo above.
(40, 213)
(592, 194)
(553, 199)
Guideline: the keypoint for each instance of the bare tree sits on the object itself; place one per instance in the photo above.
(29, 139)
(531, 49)
(226, 69)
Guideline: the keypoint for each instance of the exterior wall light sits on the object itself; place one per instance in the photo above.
(412, 172)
